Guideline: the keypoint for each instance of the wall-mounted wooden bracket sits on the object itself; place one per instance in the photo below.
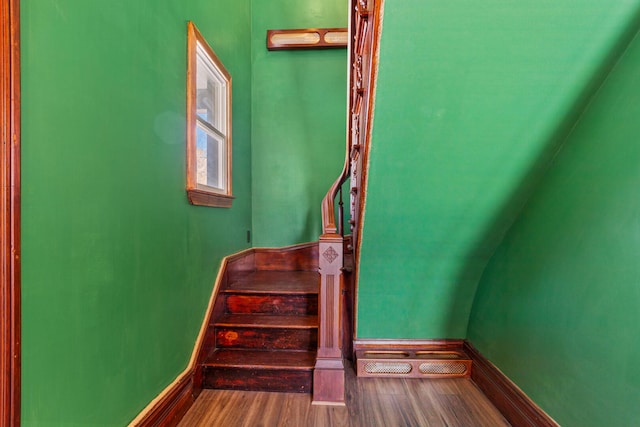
(307, 38)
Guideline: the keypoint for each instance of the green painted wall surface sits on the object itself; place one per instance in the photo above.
(117, 266)
(557, 307)
(473, 100)
(299, 119)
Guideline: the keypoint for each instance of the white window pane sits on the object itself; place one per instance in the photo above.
(210, 159)
(210, 93)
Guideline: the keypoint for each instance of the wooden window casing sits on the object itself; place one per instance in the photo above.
(198, 192)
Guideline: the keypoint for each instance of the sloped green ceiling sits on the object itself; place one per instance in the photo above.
(473, 100)
(557, 308)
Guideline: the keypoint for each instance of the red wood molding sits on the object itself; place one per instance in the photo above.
(10, 216)
(307, 38)
(512, 402)
(170, 409)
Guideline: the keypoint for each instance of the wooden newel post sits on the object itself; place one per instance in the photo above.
(328, 375)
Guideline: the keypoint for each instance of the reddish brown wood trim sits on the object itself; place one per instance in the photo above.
(399, 345)
(10, 216)
(199, 194)
(512, 402)
(170, 409)
(205, 198)
(324, 39)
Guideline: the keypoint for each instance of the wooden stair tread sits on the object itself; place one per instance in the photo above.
(276, 282)
(257, 359)
(268, 321)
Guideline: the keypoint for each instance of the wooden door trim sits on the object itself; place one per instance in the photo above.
(10, 216)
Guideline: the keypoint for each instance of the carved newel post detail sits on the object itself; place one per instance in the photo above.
(328, 376)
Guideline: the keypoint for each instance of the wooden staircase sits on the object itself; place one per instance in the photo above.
(263, 331)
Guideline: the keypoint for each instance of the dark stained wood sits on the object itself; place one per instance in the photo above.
(263, 327)
(268, 282)
(302, 304)
(169, 410)
(302, 257)
(255, 379)
(326, 39)
(295, 360)
(512, 402)
(267, 339)
(370, 402)
(10, 331)
(239, 265)
(260, 321)
(287, 371)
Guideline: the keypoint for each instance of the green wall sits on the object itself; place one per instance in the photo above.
(473, 100)
(557, 307)
(117, 267)
(299, 119)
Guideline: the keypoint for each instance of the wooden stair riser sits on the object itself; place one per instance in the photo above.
(266, 338)
(252, 379)
(271, 304)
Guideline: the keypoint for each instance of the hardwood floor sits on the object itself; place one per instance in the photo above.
(371, 402)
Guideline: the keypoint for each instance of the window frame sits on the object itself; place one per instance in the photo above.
(201, 194)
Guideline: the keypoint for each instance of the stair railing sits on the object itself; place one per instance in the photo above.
(328, 374)
(364, 30)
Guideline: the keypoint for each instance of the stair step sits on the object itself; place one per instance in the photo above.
(413, 363)
(295, 360)
(280, 371)
(268, 321)
(266, 338)
(275, 282)
(260, 303)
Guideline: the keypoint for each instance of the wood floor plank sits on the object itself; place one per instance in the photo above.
(371, 402)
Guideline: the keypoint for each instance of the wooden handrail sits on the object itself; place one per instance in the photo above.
(329, 226)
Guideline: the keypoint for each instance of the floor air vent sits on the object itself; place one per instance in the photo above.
(387, 368)
(451, 368)
(413, 364)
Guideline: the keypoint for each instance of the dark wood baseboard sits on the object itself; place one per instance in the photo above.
(512, 402)
(171, 407)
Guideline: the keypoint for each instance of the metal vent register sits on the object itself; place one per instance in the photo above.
(455, 368)
(387, 368)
